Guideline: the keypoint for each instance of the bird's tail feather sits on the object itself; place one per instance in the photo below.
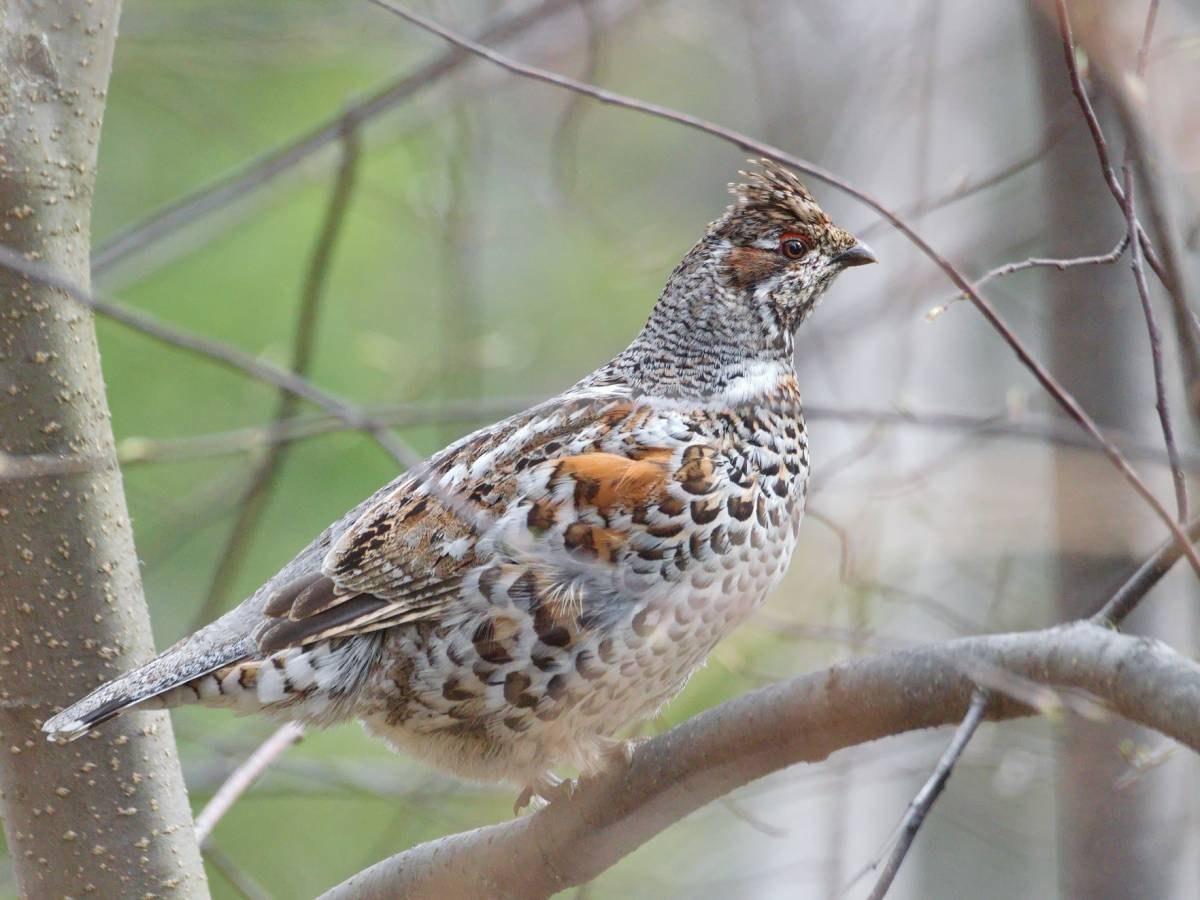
(153, 684)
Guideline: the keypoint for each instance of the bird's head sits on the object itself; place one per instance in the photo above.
(725, 322)
(777, 248)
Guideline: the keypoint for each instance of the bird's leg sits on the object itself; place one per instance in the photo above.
(547, 787)
(616, 755)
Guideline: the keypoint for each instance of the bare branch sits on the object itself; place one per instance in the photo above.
(139, 450)
(215, 351)
(674, 774)
(1093, 124)
(243, 778)
(1156, 354)
(1124, 198)
(1036, 262)
(1054, 134)
(1157, 199)
(1148, 574)
(920, 806)
(241, 882)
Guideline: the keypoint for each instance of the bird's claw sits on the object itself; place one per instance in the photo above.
(548, 788)
(619, 754)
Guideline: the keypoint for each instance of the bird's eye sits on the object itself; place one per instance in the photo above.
(793, 246)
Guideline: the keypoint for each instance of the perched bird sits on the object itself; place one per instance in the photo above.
(541, 583)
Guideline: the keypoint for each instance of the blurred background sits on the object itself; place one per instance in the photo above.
(501, 238)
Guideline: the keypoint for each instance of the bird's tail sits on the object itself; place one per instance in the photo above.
(176, 676)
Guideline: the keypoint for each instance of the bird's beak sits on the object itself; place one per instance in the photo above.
(858, 255)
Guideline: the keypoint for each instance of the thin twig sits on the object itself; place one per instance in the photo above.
(919, 808)
(1098, 139)
(254, 499)
(239, 879)
(1156, 201)
(1060, 394)
(264, 170)
(1035, 262)
(1130, 96)
(215, 351)
(140, 450)
(1124, 198)
(1147, 575)
(243, 778)
(134, 451)
(1156, 355)
(1054, 134)
(1139, 277)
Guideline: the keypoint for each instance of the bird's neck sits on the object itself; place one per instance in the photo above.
(705, 343)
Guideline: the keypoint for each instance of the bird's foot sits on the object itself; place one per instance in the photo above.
(547, 788)
(618, 754)
(615, 756)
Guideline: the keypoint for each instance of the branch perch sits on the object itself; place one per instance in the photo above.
(804, 719)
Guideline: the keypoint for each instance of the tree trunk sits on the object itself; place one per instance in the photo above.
(106, 816)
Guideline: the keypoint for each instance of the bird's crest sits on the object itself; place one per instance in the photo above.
(774, 191)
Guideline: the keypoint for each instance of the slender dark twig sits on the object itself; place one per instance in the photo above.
(1124, 198)
(286, 158)
(1098, 139)
(1156, 199)
(140, 451)
(1023, 353)
(1053, 135)
(1156, 355)
(914, 817)
(1148, 574)
(240, 880)
(1139, 277)
(215, 351)
(1034, 262)
(254, 500)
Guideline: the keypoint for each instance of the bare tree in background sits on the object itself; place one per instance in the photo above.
(107, 817)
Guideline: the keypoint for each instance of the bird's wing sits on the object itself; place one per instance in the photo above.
(573, 472)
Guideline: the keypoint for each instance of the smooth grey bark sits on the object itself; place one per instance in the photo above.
(803, 719)
(106, 816)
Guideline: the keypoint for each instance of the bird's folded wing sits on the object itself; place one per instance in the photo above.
(405, 558)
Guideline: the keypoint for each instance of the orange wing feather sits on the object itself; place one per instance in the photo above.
(607, 481)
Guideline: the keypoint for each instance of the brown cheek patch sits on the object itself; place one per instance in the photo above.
(750, 265)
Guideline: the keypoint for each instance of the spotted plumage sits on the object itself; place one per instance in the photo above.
(542, 583)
